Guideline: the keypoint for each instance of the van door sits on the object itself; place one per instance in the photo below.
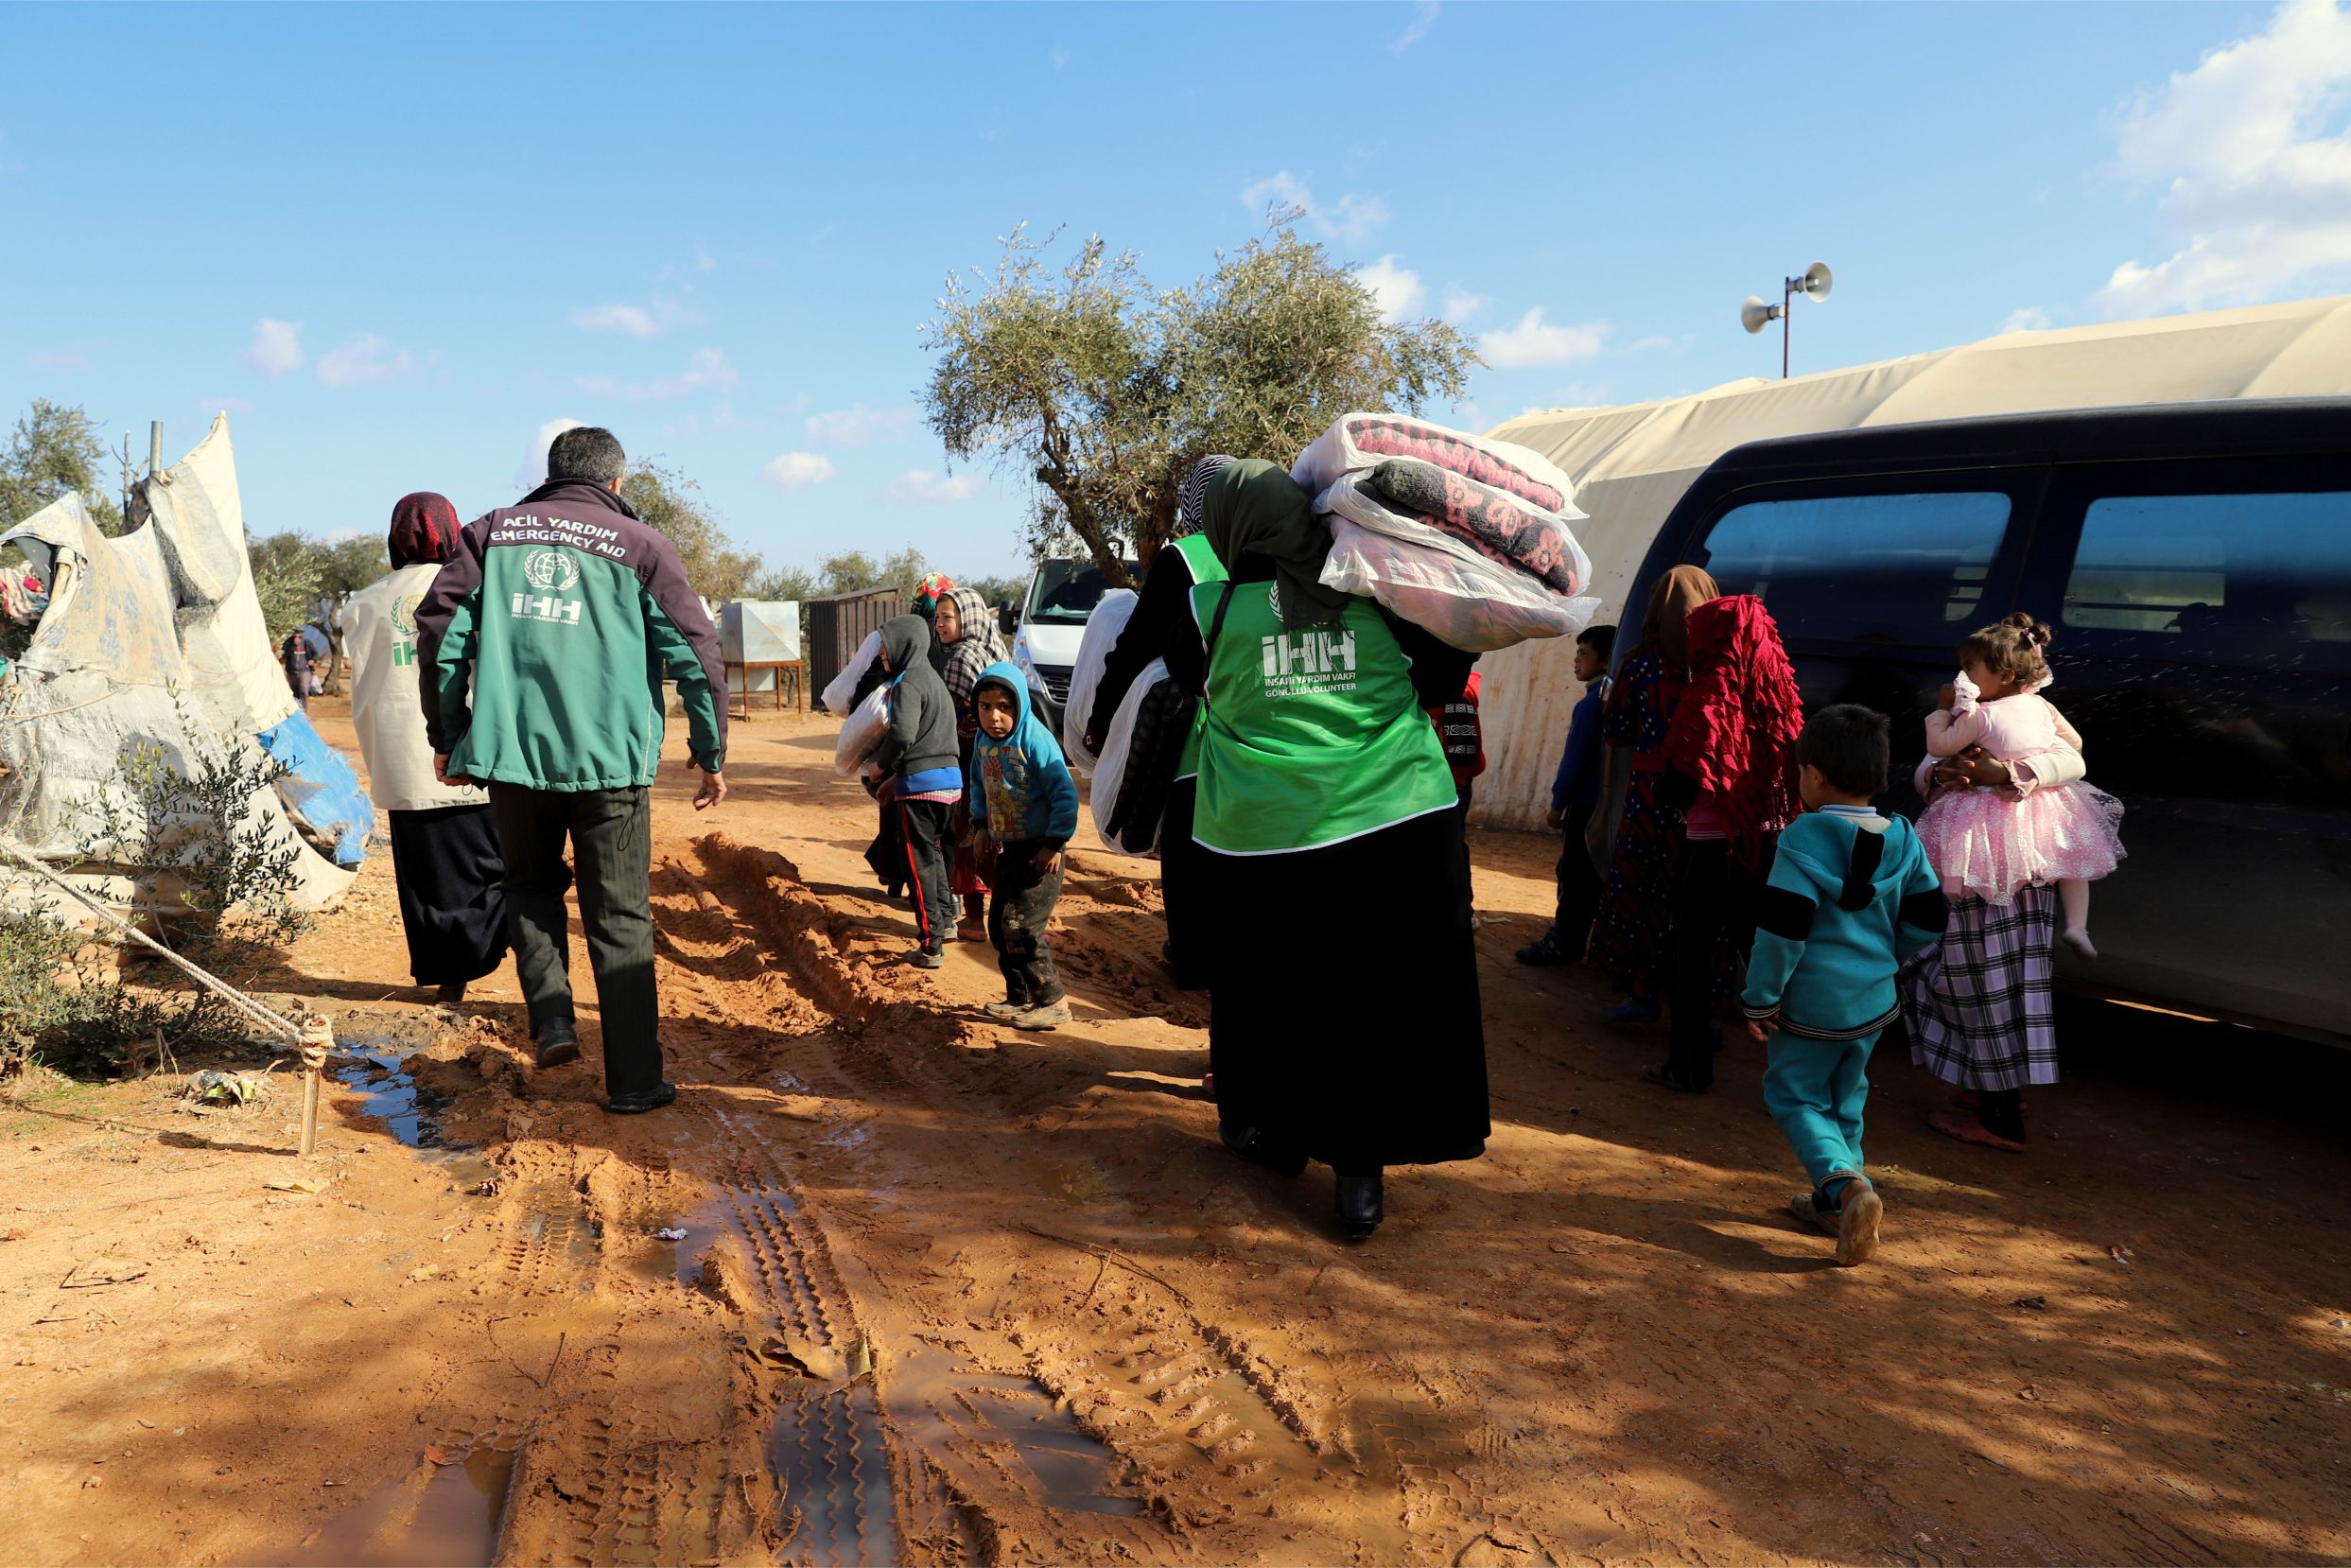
(2202, 620)
(1874, 581)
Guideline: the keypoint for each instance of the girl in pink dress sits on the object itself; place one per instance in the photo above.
(1986, 842)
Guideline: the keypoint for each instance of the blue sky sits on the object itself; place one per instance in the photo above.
(395, 242)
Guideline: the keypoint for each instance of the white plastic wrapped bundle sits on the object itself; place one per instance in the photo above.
(861, 732)
(841, 691)
(1540, 535)
(1362, 440)
(1448, 589)
(1110, 772)
(1102, 634)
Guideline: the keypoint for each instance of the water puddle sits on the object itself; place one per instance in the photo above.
(390, 1095)
(826, 1453)
(436, 1516)
(944, 1404)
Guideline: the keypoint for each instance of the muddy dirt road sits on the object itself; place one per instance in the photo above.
(949, 1294)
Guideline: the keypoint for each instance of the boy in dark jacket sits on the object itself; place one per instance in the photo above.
(1020, 787)
(920, 766)
(1574, 796)
(1849, 897)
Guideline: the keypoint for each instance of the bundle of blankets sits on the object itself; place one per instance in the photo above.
(1467, 537)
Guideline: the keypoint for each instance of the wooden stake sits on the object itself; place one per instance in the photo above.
(318, 1039)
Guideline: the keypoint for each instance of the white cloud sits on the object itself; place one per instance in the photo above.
(928, 489)
(1533, 341)
(366, 359)
(1423, 22)
(276, 347)
(65, 360)
(1398, 289)
(636, 321)
(858, 427)
(705, 371)
(533, 470)
(1459, 304)
(795, 469)
(2030, 319)
(2253, 150)
(1352, 217)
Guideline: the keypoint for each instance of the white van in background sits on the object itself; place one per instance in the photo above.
(1052, 624)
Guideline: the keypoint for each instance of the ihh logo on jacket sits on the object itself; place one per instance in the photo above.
(1315, 660)
(553, 571)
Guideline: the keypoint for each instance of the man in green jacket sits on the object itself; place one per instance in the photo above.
(544, 644)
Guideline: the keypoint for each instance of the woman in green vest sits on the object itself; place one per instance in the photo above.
(1342, 978)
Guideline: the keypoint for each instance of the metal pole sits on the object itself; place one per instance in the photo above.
(155, 448)
(1788, 316)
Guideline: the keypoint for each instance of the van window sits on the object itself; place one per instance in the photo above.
(2228, 577)
(1881, 568)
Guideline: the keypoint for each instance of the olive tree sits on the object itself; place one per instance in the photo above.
(1104, 391)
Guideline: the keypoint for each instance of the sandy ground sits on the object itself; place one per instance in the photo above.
(951, 1294)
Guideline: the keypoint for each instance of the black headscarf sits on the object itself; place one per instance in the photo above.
(1252, 507)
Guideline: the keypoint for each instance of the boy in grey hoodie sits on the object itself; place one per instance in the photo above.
(920, 767)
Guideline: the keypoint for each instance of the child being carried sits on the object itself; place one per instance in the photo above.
(1987, 843)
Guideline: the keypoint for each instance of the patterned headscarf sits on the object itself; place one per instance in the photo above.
(424, 529)
(975, 647)
(929, 591)
(1192, 496)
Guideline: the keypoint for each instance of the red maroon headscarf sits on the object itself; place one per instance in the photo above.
(1736, 730)
(423, 527)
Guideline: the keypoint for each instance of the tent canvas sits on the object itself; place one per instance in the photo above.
(1632, 464)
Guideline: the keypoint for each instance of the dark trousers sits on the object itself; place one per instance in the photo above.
(611, 837)
(1579, 888)
(1020, 906)
(922, 828)
(452, 891)
(1714, 904)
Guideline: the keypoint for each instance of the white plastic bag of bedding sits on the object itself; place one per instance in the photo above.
(1361, 441)
(1354, 499)
(1449, 590)
(1103, 627)
(841, 691)
(1110, 772)
(861, 732)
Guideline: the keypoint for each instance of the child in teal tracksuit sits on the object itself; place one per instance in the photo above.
(1019, 789)
(1849, 897)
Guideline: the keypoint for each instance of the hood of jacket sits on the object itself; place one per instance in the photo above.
(1851, 861)
(1022, 783)
(905, 642)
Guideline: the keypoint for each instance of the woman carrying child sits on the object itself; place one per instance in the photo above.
(1631, 941)
(1342, 978)
(966, 634)
(1980, 1008)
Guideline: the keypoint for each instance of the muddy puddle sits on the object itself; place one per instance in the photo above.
(436, 1516)
(387, 1094)
(943, 1405)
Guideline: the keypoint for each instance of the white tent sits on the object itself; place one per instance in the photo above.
(1631, 464)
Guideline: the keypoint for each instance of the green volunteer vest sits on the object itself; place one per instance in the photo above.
(1201, 561)
(1311, 737)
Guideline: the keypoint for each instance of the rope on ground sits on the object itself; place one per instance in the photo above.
(284, 1028)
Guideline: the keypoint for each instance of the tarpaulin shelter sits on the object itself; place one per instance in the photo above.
(1631, 464)
(155, 638)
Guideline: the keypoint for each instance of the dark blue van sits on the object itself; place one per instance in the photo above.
(2195, 564)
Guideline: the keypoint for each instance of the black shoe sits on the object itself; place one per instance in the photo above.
(662, 1093)
(923, 958)
(1360, 1203)
(1544, 952)
(450, 994)
(1255, 1147)
(558, 1043)
(1669, 1076)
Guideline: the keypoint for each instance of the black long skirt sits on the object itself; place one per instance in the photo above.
(1179, 886)
(1344, 1013)
(452, 897)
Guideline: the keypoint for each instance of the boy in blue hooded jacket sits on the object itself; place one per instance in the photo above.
(1019, 789)
(1851, 896)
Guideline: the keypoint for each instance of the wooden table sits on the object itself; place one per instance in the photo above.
(796, 669)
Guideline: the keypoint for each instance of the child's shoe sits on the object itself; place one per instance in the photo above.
(1857, 1223)
(923, 958)
(1051, 1015)
(2078, 942)
(1633, 1010)
(1808, 1212)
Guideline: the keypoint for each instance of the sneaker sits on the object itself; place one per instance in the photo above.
(1632, 1010)
(1826, 1221)
(1006, 1009)
(559, 1042)
(923, 958)
(1545, 952)
(1052, 1015)
(1857, 1224)
(662, 1093)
